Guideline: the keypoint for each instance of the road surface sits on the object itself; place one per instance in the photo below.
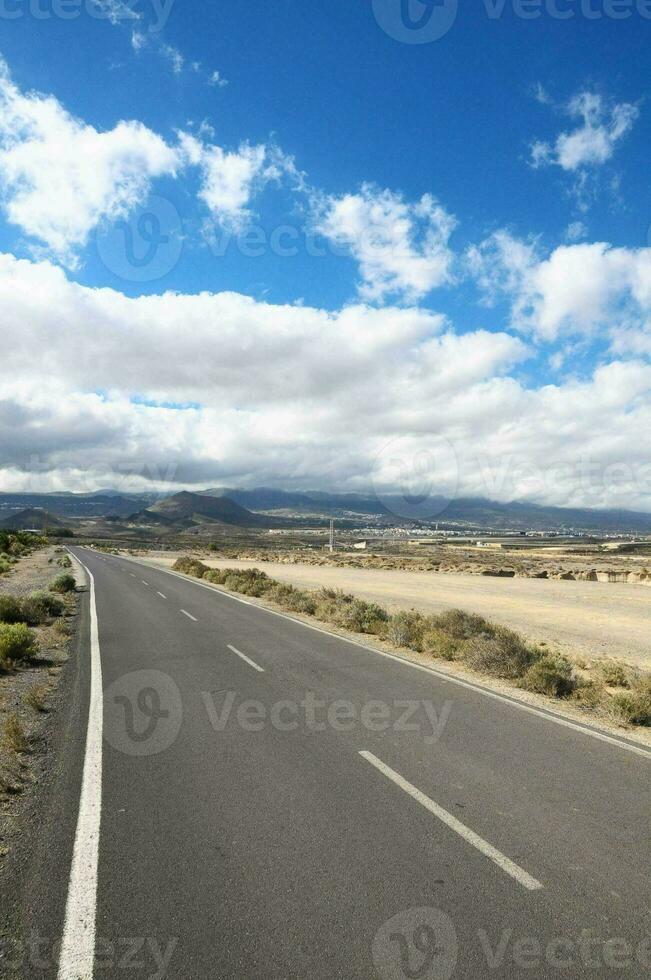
(349, 815)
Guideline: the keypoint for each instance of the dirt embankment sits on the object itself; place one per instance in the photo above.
(590, 619)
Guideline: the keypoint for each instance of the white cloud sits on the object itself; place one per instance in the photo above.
(231, 178)
(593, 142)
(217, 81)
(582, 151)
(174, 57)
(295, 396)
(587, 289)
(402, 248)
(60, 176)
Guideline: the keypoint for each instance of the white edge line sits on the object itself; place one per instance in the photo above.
(247, 659)
(189, 615)
(77, 954)
(512, 869)
(547, 715)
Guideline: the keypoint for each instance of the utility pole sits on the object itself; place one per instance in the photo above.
(332, 535)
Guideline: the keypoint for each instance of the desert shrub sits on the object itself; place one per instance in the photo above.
(589, 694)
(215, 575)
(10, 609)
(613, 674)
(299, 601)
(362, 617)
(504, 654)
(63, 583)
(632, 707)
(280, 592)
(14, 737)
(552, 675)
(189, 566)
(5, 564)
(461, 625)
(36, 697)
(64, 562)
(439, 643)
(17, 644)
(38, 607)
(248, 581)
(406, 629)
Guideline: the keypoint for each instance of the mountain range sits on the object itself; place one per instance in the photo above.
(271, 507)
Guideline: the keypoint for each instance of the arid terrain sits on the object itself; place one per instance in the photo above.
(580, 618)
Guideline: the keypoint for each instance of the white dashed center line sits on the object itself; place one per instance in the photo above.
(459, 828)
(161, 595)
(190, 616)
(244, 657)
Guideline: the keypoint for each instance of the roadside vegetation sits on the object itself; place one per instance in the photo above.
(34, 630)
(15, 545)
(607, 688)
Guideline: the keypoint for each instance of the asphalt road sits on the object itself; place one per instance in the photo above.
(244, 834)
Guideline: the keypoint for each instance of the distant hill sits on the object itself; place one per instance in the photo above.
(29, 518)
(194, 508)
(474, 512)
(67, 504)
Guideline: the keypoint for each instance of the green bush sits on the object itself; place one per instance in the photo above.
(38, 607)
(248, 581)
(552, 675)
(406, 629)
(215, 575)
(298, 601)
(504, 654)
(439, 643)
(10, 609)
(64, 562)
(461, 625)
(280, 593)
(189, 566)
(363, 617)
(63, 583)
(17, 644)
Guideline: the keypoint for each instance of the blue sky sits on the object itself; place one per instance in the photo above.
(467, 219)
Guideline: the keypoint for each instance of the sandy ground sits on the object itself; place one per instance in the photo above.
(592, 619)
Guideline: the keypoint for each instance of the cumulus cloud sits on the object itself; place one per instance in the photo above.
(581, 151)
(587, 289)
(231, 178)
(177, 390)
(60, 176)
(401, 247)
(591, 143)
